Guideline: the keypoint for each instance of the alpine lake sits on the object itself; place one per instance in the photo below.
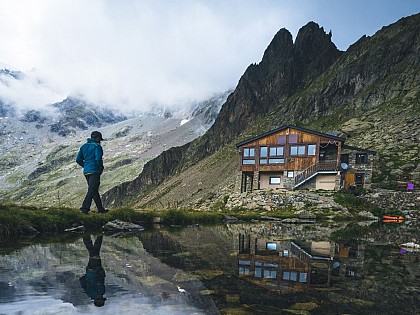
(263, 267)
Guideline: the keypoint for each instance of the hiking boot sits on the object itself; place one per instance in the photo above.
(84, 211)
(103, 211)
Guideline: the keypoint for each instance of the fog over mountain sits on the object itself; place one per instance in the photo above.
(134, 55)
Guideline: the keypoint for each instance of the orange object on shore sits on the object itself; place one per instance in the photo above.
(393, 218)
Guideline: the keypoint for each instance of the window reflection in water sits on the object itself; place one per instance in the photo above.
(283, 265)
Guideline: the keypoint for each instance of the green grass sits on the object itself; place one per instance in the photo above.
(356, 204)
(26, 220)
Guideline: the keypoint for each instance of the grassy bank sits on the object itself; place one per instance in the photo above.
(24, 220)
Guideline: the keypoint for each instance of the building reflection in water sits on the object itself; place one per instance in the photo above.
(284, 265)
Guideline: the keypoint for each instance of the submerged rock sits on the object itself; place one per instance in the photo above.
(118, 225)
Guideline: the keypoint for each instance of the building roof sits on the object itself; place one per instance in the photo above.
(326, 135)
(349, 147)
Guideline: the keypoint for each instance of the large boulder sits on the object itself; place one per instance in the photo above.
(121, 226)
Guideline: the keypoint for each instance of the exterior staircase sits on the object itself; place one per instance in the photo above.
(313, 170)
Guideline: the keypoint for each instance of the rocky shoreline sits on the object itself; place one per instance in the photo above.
(318, 203)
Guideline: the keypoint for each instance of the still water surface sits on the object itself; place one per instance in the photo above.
(259, 268)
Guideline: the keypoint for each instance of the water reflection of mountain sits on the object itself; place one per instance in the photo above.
(135, 281)
(261, 268)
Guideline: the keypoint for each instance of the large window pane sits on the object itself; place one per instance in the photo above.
(249, 152)
(258, 273)
(273, 151)
(297, 150)
(270, 274)
(275, 161)
(301, 150)
(244, 271)
(312, 149)
(303, 277)
(248, 162)
(263, 151)
(281, 139)
(274, 180)
(293, 138)
(361, 158)
(276, 151)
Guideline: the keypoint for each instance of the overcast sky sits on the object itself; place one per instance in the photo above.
(134, 54)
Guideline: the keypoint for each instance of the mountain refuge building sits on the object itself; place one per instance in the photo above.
(292, 157)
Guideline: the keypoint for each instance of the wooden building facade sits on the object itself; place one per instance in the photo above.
(291, 157)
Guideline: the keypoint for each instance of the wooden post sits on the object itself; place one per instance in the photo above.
(338, 155)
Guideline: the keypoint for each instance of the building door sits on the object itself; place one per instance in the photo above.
(247, 181)
(348, 180)
(360, 180)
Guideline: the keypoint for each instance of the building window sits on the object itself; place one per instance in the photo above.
(275, 180)
(244, 267)
(281, 139)
(257, 273)
(276, 161)
(263, 151)
(361, 158)
(244, 271)
(297, 150)
(249, 152)
(263, 161)
(271, 246)
(359, 179)
(290, 174)
(290, 275)
(248, 156)
(303, 277)
(312, 149)
(293, 138)
(270, 274)
(276, 151)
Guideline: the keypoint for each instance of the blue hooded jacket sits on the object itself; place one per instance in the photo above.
(90, 157)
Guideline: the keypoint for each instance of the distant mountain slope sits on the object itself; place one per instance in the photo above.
(78, 114)
(38, 166)
(370, 94)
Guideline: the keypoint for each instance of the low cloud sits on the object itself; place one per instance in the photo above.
(133, 54)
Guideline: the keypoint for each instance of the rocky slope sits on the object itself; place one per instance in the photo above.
(368, 94)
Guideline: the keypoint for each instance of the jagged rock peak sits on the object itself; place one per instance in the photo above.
(312, 33)
(281, 44)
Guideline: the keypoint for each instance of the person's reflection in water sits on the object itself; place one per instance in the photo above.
(93, 282)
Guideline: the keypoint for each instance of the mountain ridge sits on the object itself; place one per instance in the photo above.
(285, 89)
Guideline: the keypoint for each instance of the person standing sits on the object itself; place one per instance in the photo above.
(90, 158)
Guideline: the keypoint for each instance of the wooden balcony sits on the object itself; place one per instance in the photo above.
(322, 166)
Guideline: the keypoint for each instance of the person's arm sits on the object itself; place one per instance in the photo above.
(98, 157)
(80, 159)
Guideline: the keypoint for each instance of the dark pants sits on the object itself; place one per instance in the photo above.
(93, 181)
(93, 248)
(93, 282)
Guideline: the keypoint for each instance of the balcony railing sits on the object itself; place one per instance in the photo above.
(315, 168)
